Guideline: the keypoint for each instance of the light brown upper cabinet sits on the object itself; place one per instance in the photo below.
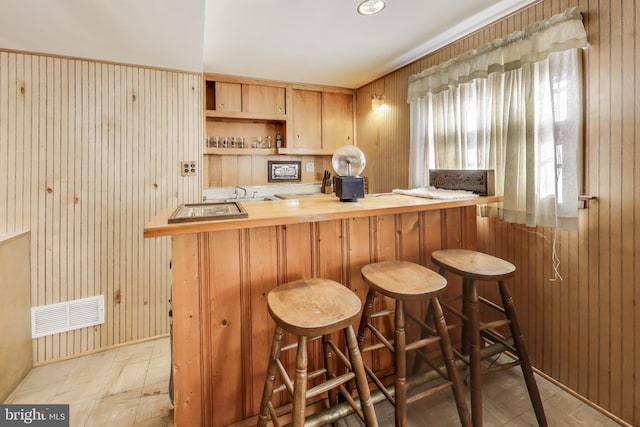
(306, 115)
(322, 121)
(337, 120)
(263, 99)
(238, 99)
(227, 96)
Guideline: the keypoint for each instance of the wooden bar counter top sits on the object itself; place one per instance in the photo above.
(222, 271)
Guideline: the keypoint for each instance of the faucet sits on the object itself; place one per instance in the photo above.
(238, 194)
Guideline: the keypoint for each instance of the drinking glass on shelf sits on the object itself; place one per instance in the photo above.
(259, 141)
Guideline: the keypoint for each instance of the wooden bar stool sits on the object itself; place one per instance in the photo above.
(403, 281)
(473, 266)
(309, 308)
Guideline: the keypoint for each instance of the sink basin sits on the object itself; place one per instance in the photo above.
(251, 199)
(301, 195)
(242, 199)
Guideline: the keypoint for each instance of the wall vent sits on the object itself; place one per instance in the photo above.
(66, 316)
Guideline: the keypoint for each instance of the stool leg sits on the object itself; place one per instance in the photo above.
(465, 338)
(330, 366)
(300, 384)
(361, 378)
(523, 355)
(417, 361)
(267, 392)
(452, 369)
(365, 319)
(400, 357)
(473, 334)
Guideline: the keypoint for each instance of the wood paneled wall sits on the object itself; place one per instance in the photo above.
(584, 330)
(89, 152)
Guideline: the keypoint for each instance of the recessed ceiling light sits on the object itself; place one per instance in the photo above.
(370, 7)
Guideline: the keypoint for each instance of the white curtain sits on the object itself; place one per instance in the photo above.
(512, 106)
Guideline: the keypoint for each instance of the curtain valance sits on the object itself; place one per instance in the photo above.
(534, 43)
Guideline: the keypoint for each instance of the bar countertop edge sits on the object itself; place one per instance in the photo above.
(295, 211)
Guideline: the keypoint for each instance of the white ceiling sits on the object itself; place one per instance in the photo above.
(320, 42)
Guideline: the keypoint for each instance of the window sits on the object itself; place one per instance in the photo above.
(510, 108)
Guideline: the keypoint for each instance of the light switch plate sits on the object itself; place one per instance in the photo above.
(309, 167)
(188, 168)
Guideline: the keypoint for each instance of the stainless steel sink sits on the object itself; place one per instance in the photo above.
(252, 199)
(242, 199)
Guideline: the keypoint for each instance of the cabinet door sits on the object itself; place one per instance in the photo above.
(228, 97)
(337, 120)
(263, 99)
(306, 113)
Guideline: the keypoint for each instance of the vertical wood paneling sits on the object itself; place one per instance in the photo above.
(629, 178)
(632, 276)
(584, 330)
(89, 153)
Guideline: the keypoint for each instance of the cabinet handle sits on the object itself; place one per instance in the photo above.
(348, 138)
(280, 109)
(298, 136)
(221, 106)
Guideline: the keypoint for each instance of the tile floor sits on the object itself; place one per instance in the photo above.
(128, 386)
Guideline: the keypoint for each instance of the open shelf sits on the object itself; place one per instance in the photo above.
(241, 151)
(245, 117)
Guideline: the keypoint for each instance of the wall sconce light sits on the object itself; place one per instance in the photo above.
(377, 101)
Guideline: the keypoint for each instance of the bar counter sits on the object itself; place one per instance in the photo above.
(223, 270)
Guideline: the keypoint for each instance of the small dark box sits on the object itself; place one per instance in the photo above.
(349, 188)
(480, 181)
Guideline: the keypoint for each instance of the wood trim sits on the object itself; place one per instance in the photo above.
(99, 61)
(267, 82)
(283, 212)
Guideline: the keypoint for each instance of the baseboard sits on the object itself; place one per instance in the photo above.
(100, 350)
(582, 398)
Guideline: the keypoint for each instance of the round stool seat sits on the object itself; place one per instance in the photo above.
(310, 307)
(403, 279)
(472, 264)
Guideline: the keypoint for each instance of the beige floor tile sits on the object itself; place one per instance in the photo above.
(157, 372)
(161, 348)
(134, 353)
(42, 395)
(127, 377)
(156, 388)
(50, 376)
(116, 410)
(79, 411)
(152, 407)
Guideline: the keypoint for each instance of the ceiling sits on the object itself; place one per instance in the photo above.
(320, 42)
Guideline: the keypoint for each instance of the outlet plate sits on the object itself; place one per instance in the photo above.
(188, 168)
(309, 167)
